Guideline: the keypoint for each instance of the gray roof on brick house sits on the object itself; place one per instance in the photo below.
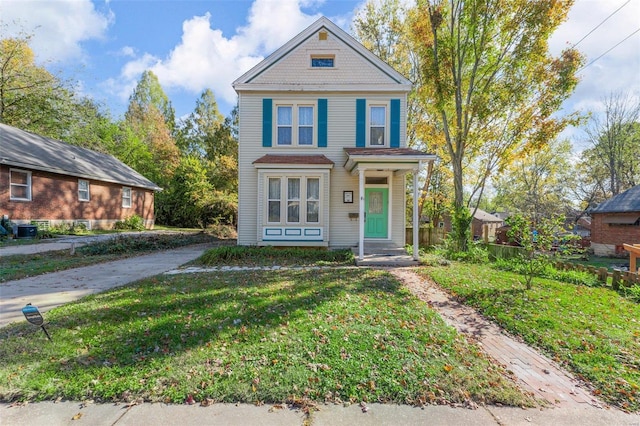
(625, 202)
(22, 149)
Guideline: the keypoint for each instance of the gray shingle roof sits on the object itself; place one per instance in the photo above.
(625, 202)
(483, 216)
(30, 151)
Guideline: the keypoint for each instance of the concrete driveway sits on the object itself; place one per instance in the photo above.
(51, 290)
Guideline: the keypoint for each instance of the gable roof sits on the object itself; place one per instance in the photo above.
(483, 216)
(34, 152)
(625, 202)
(244, 81)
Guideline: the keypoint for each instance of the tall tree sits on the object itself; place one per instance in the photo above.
(33, 99)
(491, 83)
(196, 135)
(148, 93)
(537, 184)
(612, 159)
(150, 117)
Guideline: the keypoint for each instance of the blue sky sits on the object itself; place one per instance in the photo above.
(193, 45)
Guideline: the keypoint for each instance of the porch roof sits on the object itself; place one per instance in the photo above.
(288, 160)
(396, 159)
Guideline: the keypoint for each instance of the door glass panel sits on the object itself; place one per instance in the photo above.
(375, 202)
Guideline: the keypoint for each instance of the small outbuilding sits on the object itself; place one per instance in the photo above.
(616, 222)
(49, 182)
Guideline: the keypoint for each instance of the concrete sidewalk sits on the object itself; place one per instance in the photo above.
(51, 290)
(77, 414)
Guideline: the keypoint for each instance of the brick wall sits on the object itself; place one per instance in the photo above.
(607, 237)
(55, 198)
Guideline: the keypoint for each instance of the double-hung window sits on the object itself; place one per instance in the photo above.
(293, 200)
(377, 125)
(313, 200)
(83, 190)
(126, 197)
(20, 185)
(273, 200)
(295, 125)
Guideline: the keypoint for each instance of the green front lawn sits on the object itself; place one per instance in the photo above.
(334, 334)
(592, 331)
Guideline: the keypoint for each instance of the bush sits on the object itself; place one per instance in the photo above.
(475, 253)
(129, 244)
(274, 256)
(132, 223)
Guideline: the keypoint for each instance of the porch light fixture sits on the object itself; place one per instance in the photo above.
(347, 197)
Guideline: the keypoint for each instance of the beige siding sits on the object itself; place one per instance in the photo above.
(341, 232)
(350, 68)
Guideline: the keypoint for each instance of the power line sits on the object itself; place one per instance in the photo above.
(618, 44)
(598, 26)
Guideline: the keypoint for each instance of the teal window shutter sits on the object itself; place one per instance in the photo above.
(361, 122)
(267, 122)
(395, 124)
(322, 123)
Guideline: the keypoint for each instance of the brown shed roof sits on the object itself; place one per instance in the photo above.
(293, 159)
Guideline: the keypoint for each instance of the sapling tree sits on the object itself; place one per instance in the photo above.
(540, 240)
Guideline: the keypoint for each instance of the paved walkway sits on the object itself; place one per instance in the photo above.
(535, 372)
(51, 290)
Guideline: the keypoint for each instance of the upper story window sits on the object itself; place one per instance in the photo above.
(327, 61)
(126, 197)
(20, 184)
(377, 125)
(83, 190)
(295, 125)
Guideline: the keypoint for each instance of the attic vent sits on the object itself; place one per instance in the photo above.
(322, 35)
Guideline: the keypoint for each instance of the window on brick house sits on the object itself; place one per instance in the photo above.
(126, 197)
(83, 190)
(20, 185)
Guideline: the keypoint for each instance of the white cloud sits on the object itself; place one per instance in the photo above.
(58, 27)
(617, 70)
(205, 58)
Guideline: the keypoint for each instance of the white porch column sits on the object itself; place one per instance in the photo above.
(416, 221)
(361, 214)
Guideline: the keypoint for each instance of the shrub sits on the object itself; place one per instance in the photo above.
(132, 223)
(274, 256)
(475, 253)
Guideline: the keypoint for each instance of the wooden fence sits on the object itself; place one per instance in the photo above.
(427, 237)
(618, 278)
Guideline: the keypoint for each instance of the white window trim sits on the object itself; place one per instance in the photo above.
(294, 122)
(130, 198)
(284, 199)
(387, 118)
(80, 191)
(28, 185)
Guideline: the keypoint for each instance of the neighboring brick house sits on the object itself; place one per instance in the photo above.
(52, 182)
(322, 146)
(616, 222)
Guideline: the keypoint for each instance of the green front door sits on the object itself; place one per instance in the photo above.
(376, 206)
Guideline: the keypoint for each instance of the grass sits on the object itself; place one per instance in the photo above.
(593, 331)
(334, 335)
(21, 266)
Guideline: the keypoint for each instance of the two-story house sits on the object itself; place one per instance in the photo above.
(322, 146)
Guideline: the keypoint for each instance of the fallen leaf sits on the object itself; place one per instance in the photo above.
(77, 416)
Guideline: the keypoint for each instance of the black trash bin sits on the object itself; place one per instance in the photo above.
(27, 231)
